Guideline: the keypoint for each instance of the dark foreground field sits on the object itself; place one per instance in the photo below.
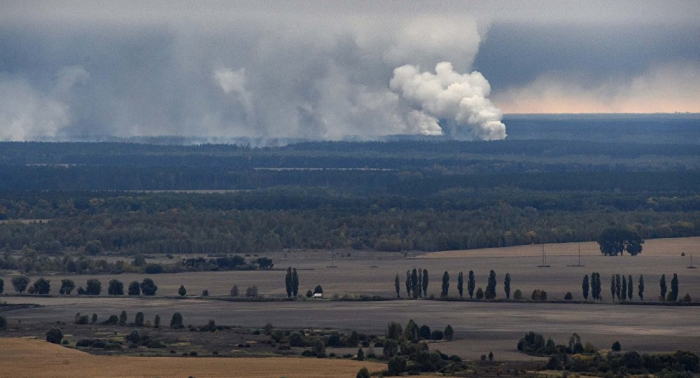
(479, 327)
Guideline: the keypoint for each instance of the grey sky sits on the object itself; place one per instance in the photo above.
(321, 69)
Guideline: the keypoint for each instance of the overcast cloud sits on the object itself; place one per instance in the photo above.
(323, 69)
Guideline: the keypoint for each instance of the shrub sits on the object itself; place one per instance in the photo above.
(54, 335)
(156, 322)
(67, 286)
(113, 319)
(20, 283)
(397, 365)
(568, 296)
(2, 286)
(182, 291)
(518, 295)
(296, 339)
(3, 322)
(154, 269)
(139, 319)
(234, 291)
(133, 337)
(205, 293)
(82, 319)
(309, 294)
(176, 321)
(436, 335)
(363, 373)
(94, 319)
(616, 347)
(318, 289)
(122, 318)
(480, 293)
(686, 298)
(424, 332)
(449, 333)
(360, 355)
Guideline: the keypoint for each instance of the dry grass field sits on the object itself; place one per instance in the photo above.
(37, 358)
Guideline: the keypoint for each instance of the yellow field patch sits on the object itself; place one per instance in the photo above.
(38, 358)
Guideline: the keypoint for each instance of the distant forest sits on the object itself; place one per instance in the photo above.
(399, 194)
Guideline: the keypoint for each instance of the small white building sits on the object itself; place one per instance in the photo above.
(318, 295)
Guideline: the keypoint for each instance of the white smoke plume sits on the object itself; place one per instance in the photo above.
(459, 99)
(27, 113)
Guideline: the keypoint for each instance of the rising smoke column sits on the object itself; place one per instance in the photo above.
(461, 100)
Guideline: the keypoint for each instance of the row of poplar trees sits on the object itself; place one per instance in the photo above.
(417, 282)
(623, 288)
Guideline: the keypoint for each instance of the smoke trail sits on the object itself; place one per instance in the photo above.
(459, 99)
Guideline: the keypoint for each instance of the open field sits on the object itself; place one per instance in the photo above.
(372, 273)
(479, 327)
(34, 358)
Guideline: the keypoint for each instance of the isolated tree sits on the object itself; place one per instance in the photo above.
(122, 318)
(662, 284)
(67, 286)
(54, 335)
(491, 286)
(585, 287)
(2, 286)
(449, 333)
(674, 288)
(295, 283)
(182, 291)
(615, 241)
(20, 283)
(630, 288)
(640, 288)
(288, 282)
(156, 322)
(394, 331)
(115, 287)
(490, 356)
(425, 283)
(460, 284)
(134, 288)
(234, 291)
(506, 285)
(480, 293)
(42, 286)
(411, 332)
(93, 320)
(139, 319)
(624, 288)
(148, 287)
(176, 321)
(471, 284)
(618, 287)
(445, 284)
(397, 285)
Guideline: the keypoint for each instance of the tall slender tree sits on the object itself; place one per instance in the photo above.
(460, 284)
(295, 282)
(640, 288)
(420, 282)
(425, 283)
(585, 287)
(506, 285)
(630, 288)
(397, 285)
(491, 286)
(624, 288)
(612, 287)
(674, 287)
(618, 286)
(288, 282)
(445, 284)
(471, 284)
(663, 287)
(408, 284)
(415, 289)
